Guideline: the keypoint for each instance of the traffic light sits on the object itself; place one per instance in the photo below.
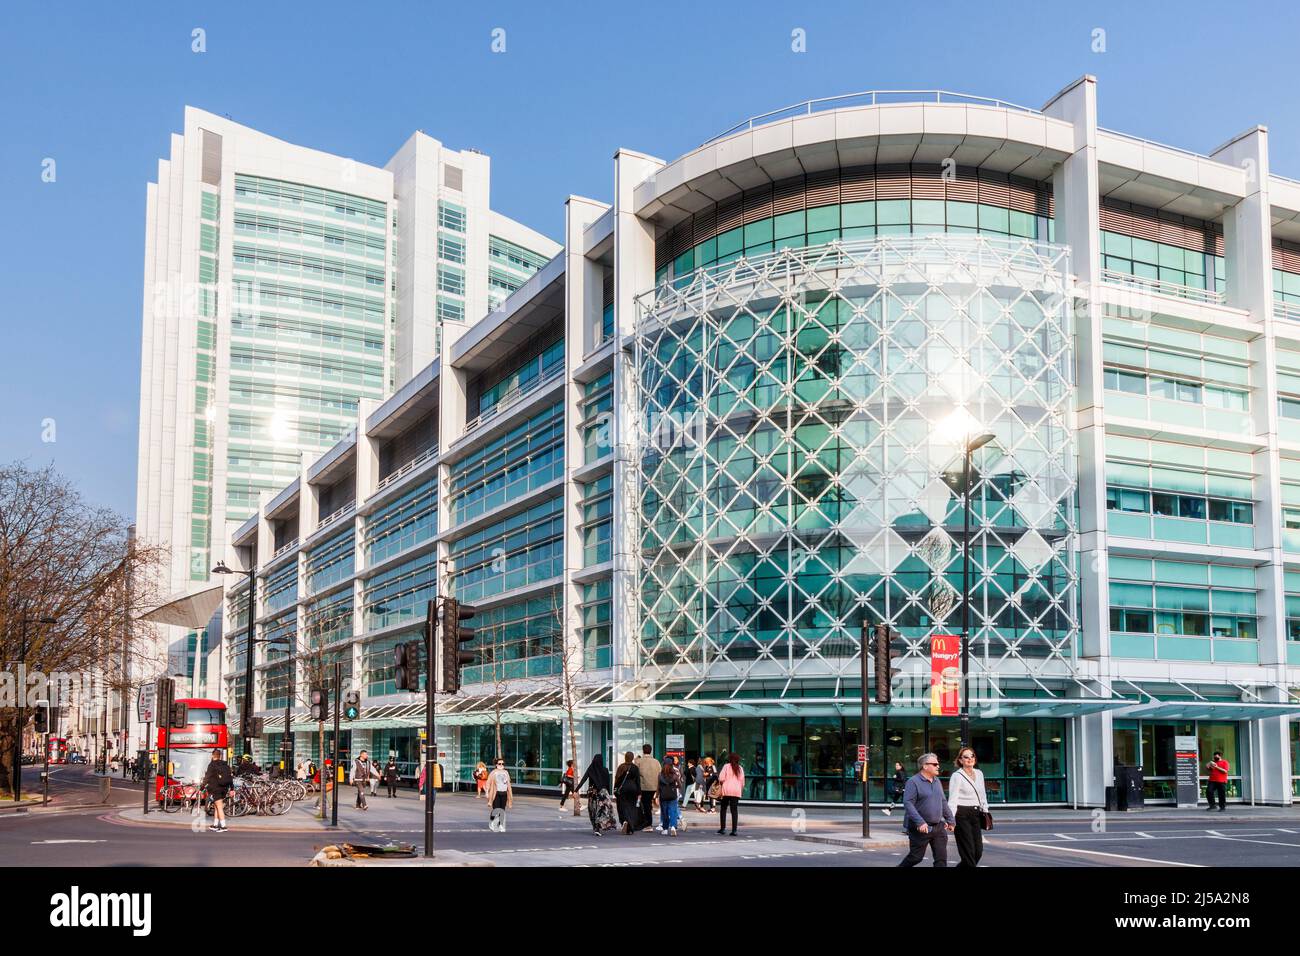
(406, 658)
(178, 714)
(885, 671)
(352, 705)
(454, 635)
(319, 701)
(255, 726)
(42, 717)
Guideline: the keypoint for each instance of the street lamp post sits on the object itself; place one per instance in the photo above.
(246, 708)
(972, 444)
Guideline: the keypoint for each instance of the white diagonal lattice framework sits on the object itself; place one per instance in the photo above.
(800, 460)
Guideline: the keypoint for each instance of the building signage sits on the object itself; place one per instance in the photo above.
(675, 743)
(1187, 770)
(145, 705)
(945, 674)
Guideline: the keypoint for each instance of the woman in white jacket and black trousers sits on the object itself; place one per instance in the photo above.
(969, 803)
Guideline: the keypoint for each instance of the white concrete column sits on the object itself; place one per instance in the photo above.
(634, 273)
(1076, 195)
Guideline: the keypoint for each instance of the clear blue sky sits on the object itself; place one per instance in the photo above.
(99, 87)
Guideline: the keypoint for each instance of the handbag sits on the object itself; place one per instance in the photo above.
(715, 791)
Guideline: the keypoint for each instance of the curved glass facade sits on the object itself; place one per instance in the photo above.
(801, 462)
(855, 204)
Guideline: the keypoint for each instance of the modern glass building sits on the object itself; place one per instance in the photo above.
(682, 465)
(283, 286)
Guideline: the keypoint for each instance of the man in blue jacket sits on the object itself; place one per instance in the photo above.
(927, 817)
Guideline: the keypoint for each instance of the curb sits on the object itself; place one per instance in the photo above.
(857, 843)
(443, 858)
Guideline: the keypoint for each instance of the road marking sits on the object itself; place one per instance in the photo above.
(1244, 840)
(1065, 836)
(1118, 856)
(40, 842)
(1285, 830)
(1145, 836)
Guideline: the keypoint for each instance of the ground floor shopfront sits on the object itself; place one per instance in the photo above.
(814, 759)
(1026, 760)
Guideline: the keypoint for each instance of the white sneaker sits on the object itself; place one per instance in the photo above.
(887, 812)
(672, 832)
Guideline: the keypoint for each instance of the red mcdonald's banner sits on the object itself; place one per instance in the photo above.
(945, 674)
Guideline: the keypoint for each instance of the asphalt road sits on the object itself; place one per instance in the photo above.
(537, 835)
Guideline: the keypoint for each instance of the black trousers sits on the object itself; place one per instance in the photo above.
(647, 810)
(734, 803)
(936, 840)
(970, 836)
(1221, 789)
(392, 788)
(566, 792)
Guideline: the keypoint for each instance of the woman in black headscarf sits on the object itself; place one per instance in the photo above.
(598, 778)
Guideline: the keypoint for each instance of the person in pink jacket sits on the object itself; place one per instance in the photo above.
(732, 781)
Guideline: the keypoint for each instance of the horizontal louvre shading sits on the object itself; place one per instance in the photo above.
(865, 184)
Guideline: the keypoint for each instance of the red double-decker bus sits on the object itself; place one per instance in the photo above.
(57, 748)
(192, 745)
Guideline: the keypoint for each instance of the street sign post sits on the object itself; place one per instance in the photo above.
(147, 703)
(1187, 770)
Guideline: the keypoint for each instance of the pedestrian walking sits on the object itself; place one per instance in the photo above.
(1218, 785)
(669, 787)
(566, 785)
(301, 771)
(361, 778)
(970, 806)
(627, 789)
(707, 782)
(896, 783)
(648, 768)
(927, 817)
(480, 779)
(375, 777)
(500, 796)
(732, 783)
(596, 779)
(217, 780)
(688, 779)
(391, 776)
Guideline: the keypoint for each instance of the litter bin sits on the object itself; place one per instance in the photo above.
(1128, 788)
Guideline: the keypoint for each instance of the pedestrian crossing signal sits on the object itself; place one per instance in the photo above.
(352, 705)
(319, 704)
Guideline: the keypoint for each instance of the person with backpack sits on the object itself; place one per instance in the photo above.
(669, 787)
(627, 788)
(732, 783)
(218, 780)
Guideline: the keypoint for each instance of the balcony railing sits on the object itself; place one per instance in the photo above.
(514, 396)
(406, 469)
(867, 98)
(285, 548)
(1287, 310)
(334, 515)
(1162, 287)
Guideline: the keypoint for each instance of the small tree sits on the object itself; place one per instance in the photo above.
(65, 561)
(315, 632)
(570, 653)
